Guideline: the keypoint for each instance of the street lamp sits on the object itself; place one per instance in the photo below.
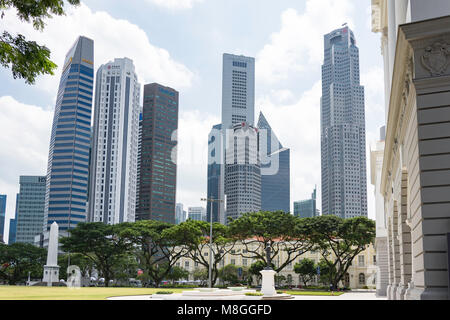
(211, 201)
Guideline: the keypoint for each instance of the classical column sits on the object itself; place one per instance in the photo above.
(404, 235)
(429, 44)
(395, 254)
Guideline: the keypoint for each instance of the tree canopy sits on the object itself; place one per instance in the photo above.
(101, 244)
(282, 231)
(26, 58)
(341, 240)
(18, 259)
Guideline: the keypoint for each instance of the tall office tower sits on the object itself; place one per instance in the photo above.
(68, 161)
(275, 169)
(138, 171)
(238, 90)
(214, 168)
(242, 172)
(306, 208)
(197, 213)
(2, 215)
(158, 169)
(180, 214)
(112, 197)
(13, 224)
(238, 106)
(343, 133)
(30, 207)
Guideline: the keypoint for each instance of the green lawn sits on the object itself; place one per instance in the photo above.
(312, 293)
(63, 293)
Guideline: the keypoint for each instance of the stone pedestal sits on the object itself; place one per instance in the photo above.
(51, 274)
(268, 283)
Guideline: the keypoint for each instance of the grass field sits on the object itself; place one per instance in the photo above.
(101, 293)
(62, 293)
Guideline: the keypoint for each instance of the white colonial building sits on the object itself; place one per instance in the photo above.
(415, 175)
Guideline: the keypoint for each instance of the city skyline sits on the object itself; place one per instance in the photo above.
(189, 193)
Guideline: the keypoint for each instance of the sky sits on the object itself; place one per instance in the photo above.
(180, 43)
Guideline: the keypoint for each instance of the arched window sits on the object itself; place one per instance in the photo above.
(362, 278)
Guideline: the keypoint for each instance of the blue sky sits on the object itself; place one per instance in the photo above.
(180, 43)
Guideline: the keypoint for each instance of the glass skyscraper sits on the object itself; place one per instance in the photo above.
(158, 169)
(68, 161)
(2, 215)
(306, 208)
(30, 207)
(275, 184)
(214, 167)
(343, 132)
(13, 224)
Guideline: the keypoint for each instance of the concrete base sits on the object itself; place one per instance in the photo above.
(268, 283)
(392, 292)
(401, 291)
(51, 274)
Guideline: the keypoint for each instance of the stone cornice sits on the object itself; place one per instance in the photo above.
(414, 42)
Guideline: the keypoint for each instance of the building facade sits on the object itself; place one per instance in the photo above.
(158, 169)
(242, 171)
(415, 41)
(376, 166)
(13, 224)
(180, 214)
(343, 132)
(30, 207)
(3, 198)
(238, 90)
(306, 208)
(275, 169)
(113, 176)
(361, 274)
(197, 213)
(215, 161)
(68, 161)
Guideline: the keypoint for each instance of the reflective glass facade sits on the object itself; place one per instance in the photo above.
(68, 161)
(158, 169)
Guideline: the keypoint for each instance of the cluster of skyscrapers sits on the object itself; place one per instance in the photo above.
(123, 166)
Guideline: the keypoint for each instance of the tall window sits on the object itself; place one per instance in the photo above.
(362, 278)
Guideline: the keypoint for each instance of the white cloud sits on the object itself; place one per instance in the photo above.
(113, 38)
(24, 145)
(299, 42)
(175, 4)
(297, 126)
(192, 160)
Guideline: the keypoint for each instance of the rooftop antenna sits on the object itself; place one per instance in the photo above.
(345, 24)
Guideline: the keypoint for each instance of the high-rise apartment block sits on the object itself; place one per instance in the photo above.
(158, 169)
(30, 207)
(68, 161)
(113, 175)
(343, 133)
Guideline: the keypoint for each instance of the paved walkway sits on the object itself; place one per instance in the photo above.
(178, 296)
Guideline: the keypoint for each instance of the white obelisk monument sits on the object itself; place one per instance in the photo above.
(51, 269)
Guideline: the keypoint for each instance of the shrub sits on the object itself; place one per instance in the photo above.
(254, 294)
(164, 292)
